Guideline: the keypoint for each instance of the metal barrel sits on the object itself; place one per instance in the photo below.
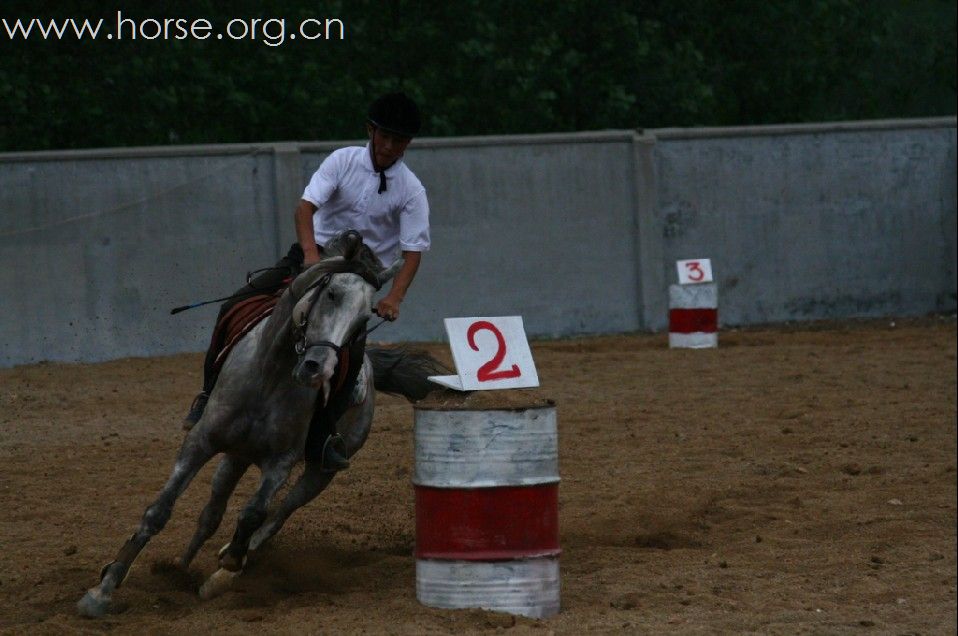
(487, 513)
(693, 316)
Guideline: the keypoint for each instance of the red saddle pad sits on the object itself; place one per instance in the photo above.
(239, 320)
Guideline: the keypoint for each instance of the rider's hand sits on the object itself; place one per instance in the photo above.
(312, 254)
(388, 308)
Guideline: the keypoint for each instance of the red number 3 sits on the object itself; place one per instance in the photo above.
(488, 370)
(695, 271)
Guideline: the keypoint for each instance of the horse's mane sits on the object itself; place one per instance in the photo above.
(344, 253)
(350, 246)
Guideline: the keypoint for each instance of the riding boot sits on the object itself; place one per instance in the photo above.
(334, 454)
(196, 410)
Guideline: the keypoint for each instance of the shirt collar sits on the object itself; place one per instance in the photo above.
(368, 162)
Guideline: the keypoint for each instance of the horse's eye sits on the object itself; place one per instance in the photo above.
(331, 295)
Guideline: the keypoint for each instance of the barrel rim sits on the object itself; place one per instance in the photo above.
(548, 404)
(487, 483)
(486, 556)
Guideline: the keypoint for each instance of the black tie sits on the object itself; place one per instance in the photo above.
(382, 181)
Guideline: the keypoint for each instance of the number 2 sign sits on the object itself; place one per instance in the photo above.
(490, 353)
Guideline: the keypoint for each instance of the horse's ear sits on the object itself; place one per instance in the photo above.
(387, 274)
(306, 280)
(352, 241)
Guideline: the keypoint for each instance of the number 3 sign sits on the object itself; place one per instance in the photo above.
(490, 353)
(694, 271)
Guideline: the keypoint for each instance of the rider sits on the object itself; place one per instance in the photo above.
(368, 189)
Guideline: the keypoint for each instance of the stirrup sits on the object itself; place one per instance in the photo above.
(196, 410)
(334, 454)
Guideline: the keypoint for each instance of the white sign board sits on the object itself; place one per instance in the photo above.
(696, 270)
(490, 353)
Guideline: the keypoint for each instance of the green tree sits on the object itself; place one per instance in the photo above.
(477, 67)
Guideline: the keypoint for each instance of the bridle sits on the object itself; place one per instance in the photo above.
(303, 345)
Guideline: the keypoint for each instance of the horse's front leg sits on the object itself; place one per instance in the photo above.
(232, 557)
(193, 455)
(312, 482)
(227, 475)
(354, 425)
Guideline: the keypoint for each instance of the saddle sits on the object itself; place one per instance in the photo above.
(239, 320)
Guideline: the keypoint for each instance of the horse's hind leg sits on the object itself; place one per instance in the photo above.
(312, 482)
(233, 554)
(227, 475)
(96, 601)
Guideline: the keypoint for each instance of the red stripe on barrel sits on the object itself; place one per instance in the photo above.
(484, 524)
(693, 320)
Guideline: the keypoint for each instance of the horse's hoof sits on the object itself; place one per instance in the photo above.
(94, 604)
(219, 582)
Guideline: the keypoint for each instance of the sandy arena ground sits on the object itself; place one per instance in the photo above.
(796, 480)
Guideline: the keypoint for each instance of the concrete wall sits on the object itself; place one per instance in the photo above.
(577, 233)
(808, 222)
(95, 250)
(538, 227)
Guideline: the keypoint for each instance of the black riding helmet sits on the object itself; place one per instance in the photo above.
(395, 113)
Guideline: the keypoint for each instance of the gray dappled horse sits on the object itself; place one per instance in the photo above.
(261, 408)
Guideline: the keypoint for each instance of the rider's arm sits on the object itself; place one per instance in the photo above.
(304, 232)
(318, 191)
(388, 306)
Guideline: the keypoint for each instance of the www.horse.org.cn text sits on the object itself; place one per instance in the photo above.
(269, 31)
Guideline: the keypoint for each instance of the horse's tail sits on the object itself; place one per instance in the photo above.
(403, 372)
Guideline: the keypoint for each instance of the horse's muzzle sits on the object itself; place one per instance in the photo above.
(316, 370)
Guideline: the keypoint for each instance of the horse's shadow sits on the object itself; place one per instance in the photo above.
(286, 568)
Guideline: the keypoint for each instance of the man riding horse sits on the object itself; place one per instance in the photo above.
(368, 189)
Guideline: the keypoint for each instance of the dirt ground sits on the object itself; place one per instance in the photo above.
(798, 479)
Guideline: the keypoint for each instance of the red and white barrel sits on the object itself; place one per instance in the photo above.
(693, 316)
(487, 513)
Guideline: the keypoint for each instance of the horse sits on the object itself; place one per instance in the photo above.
(260, 410)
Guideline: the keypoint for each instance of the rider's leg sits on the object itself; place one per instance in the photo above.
(323, 443)
(271, 280)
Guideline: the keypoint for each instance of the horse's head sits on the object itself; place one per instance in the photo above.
(333, 301)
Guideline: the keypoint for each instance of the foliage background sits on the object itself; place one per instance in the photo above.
(478, 67)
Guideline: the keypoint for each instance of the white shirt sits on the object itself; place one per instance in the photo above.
(345, 191)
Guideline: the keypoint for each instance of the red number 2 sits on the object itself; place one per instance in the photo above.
(488, 370)
(695, 271)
